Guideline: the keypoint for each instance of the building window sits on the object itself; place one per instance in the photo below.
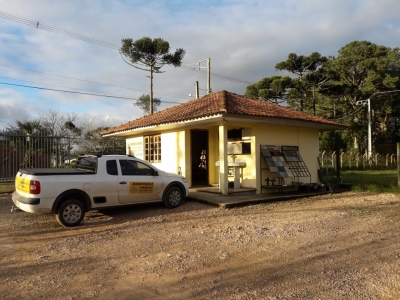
(152, 148)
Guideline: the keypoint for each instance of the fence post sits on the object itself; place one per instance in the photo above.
(398, 166)
(376, 160)
(57, 152)
(363, 159)
(341, 160)
(357, 159)
(334, 160)
(350, 156)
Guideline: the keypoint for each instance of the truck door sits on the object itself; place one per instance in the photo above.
(104, 188)
(137, 182)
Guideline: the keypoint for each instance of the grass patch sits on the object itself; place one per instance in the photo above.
(381, 181)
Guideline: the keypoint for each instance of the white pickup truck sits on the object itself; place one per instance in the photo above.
(96, 181)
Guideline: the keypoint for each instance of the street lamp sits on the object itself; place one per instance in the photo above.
(368, 102)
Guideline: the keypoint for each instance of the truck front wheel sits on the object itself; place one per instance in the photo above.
(173, 197)
(70, 213)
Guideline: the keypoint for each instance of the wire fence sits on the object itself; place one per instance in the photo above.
(356, 161)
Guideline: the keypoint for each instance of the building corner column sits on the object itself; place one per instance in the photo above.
(223, 159)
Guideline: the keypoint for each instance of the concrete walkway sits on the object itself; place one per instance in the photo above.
(236, 198)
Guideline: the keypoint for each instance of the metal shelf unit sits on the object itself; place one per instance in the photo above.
(296, 163)
(283, 162)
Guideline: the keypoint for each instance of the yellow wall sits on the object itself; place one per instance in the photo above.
(173, 149)
(213, 154)
(309, 150)
(306, 139)
(187, 159)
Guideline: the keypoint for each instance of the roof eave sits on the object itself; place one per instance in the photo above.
(245, 119)
(169, 125)
(230, 118)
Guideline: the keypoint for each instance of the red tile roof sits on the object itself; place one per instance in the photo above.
(215, 104)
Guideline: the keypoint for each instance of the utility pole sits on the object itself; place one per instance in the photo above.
(368, 102)
(398, 165)
(369, 130)
(196, 88)
(151, 90)
(208, 73)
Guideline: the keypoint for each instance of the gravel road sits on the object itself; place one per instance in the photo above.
(340, 246)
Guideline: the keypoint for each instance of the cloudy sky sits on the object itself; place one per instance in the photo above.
(243, 38)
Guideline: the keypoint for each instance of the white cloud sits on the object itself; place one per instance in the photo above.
(12, 107)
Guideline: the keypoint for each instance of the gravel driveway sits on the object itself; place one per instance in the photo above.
(340, 246)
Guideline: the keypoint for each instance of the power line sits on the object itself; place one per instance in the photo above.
(81, 93)
(85, 80)
(103, 43)
(349, 115)
(215, 74)
(40, 25)
(61, 86)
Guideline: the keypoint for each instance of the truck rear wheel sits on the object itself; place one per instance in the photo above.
(70, 213)
(173, 197)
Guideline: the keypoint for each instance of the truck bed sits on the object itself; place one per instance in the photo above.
(52, 171)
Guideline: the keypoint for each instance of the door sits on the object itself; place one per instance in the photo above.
(199, 157)
(137, 182)
(105, 187)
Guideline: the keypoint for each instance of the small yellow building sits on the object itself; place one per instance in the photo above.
(229, 140)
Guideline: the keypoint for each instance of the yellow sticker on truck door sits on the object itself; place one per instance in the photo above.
(141, 187)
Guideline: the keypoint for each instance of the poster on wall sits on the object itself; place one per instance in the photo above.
(135, 148)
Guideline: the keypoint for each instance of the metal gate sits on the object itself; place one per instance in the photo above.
(31, 151)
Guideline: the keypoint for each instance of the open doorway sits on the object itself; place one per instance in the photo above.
(199, 157)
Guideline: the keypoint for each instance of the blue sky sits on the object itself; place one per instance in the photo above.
(244, 39)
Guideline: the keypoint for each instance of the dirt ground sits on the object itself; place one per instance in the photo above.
(340, 246)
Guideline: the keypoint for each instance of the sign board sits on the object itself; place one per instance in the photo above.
(22, 184)
(290, 148)
(135, 147)
(270, 147)
(234, 148)
(141, 187)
